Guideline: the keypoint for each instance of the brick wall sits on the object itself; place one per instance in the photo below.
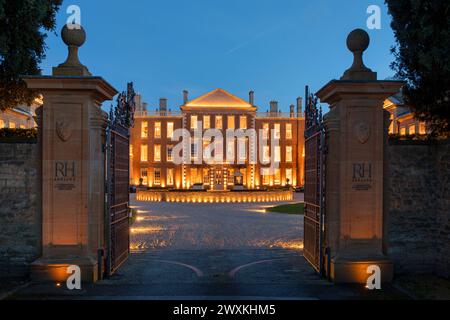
(417, 206)
(20, 208)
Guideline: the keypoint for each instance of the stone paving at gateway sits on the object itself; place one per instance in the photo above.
(210, 252)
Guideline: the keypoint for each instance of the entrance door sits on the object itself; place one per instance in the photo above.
(218, 180)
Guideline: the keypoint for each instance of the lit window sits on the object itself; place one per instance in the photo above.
(2, 124)
(403, 131)
(206, 122)
(196, 177)
(266, 130)
(219, 122)
(277, 179)
(12, 125)
(131, 150)
(266, 176)
(277, 154)
(157, 130)
(170, 153)
(288, 154)
(194, 122)
(230, 151)
(157, 177)
(289, 176)
(194, 150)
(144, 177)
(231, 122)
(170, 178)
(218, 151)
(157, 152)
(170, 128)
(266, 154)
(22, 126)
(144, 153)
(206, 176)
(243, 122)
(277, 131)
(412, 130)
(422, 128)
(144, 129)
(242, 146)
(289, 131)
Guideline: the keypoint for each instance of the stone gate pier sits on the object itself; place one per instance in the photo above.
(354, 169)
(72, 127)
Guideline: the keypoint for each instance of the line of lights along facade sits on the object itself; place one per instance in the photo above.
(152, 148)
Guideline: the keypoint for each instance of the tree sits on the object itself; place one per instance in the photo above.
(422, 30)
(23, 27)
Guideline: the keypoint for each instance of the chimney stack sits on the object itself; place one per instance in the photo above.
(299, 107)
(292, 111)
(251, 98)
(274, 107)
(138, 101)
(185, 97)
(163, 104)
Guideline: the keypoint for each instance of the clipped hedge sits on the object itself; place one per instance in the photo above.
(18, 135)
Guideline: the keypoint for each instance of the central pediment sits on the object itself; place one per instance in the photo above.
(218, 98)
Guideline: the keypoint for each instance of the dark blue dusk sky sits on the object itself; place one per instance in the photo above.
(272, 47)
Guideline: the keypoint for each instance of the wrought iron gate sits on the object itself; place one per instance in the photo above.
(118, 180)
(314, 184)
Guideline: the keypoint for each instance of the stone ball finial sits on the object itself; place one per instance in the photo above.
(358, 41)
(74, 35)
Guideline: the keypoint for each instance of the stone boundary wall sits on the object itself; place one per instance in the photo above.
(20, 208)
(417, 206)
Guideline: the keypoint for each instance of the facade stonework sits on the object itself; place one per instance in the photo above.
(417, 206)
(20, 208)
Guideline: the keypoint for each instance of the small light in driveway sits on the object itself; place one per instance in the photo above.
(58, 284)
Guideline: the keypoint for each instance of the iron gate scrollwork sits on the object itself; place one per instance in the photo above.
(121, 119)
(314, 226)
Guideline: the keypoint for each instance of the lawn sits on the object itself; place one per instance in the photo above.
(295, 208)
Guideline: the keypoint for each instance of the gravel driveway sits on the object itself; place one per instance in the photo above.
(214, 226)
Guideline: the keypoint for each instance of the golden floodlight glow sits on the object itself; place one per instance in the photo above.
(211, 197)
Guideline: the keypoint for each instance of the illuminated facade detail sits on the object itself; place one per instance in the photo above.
(23, 116)
(232, 160)
(402, 121)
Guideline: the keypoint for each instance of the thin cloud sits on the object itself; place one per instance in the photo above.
(256, 37)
